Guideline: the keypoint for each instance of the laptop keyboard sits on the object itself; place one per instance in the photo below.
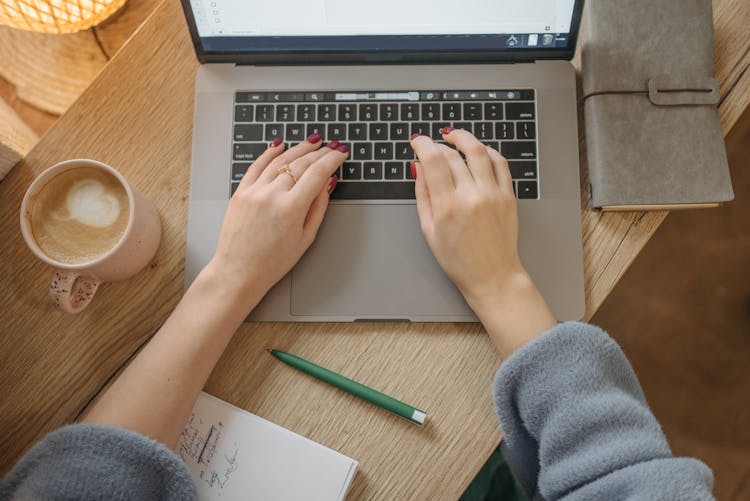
(377, 127)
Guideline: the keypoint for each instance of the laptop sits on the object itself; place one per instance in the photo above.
(369, 75)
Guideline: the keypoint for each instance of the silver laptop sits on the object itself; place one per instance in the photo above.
(369, 75)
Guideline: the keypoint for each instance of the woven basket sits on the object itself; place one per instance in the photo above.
(56, 16)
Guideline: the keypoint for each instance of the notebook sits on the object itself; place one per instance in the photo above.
(234, 454)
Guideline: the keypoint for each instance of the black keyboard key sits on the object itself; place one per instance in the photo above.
(409, 111)
(528, 190)
(378, 132)
(357, 132)
(492, 144)
(233, 188)
(264, 113)
(373, 170)
(399, 131)
(362, 151)
(315, 129)
(404, 151)
(407, 171)
(248, 151)
(238, 171)
(306, 113)
(352, 171)
(452, 111)
(422, 129)
(368, 112)
(522, 170)
(336, 132)
(285, 113)
(504, 130)
(526, 130)
(248, 132)
(383, 151)
(484, 130)
(519, 150)
(327, 112)
(243, 113)
(437, 128)
(431, 111)
(389, 112)
(347, 113)
(519, 111)
(472, 111)
(467, 126)
(273, 131)
(295, 132)
(493, 111)
(394, 170)
(250, 97)
(393, 190)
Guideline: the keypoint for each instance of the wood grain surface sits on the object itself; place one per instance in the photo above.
(137, 116)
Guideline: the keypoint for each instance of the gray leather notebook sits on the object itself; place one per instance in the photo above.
(653, 134)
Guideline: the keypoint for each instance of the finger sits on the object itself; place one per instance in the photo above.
(475, 151)
(313, 142)
(435, 169)
(424, 205)
(285, 182)
(459, 171)
(317, 212)
(318, 175)
(254, 170)
(502, 170)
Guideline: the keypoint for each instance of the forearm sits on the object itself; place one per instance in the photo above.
(157, 391)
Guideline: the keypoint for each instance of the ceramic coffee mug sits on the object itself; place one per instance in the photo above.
(73, 285)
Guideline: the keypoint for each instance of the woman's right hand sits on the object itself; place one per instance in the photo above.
(468, 214)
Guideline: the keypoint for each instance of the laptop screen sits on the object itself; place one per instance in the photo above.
(356, 26)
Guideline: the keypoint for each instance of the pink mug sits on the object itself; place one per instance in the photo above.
(73, 285)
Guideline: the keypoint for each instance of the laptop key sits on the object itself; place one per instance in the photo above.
(233, 188)
(373, 170)
(422, 129)
(404, 151)
(467, 126)
(248, 151)
(452, 111)
(273, 131)
(347, 112)
(383, 151)
(248, 132)
(306, 113)
(357, 132)
(238, 171)
(362, 151)
(522, 170)
(394, 170)
(250, 97)
(521, 150)
(295, 132)
(327, 112)
(386, 190)
(472, 111)
(495, 145)
(528, 190)
(315, 129)
(526, 130)
(431, 111)
(378, 132)
(243, 113)
(352, 171)
(264, 113)
(336, 132)
(484, 130)
(389, 112)
(493, 111)
(399, 131)
(407, 171)
(409, 111)
(504, 130)
(368, 112)
(285, 113)
(437, 128)
(520, 111)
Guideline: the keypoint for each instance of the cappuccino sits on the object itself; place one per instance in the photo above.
(79, 215)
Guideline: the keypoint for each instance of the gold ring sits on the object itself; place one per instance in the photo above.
(285, 168)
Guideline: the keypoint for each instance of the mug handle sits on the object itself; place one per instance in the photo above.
(72, 291)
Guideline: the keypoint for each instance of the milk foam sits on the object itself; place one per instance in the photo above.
(89, 204)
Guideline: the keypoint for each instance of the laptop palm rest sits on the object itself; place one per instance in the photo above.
(371, 262)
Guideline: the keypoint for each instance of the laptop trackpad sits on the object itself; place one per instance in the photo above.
(372, 262)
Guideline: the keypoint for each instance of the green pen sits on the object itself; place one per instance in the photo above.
(357, 389)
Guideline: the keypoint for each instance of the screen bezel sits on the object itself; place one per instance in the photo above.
(386, 56)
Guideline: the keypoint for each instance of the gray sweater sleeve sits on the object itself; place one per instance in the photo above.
(576, 424)
(88, 462)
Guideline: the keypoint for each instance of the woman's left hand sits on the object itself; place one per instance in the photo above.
(273, 219)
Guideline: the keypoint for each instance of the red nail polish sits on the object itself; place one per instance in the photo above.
(332, 184)
(333, 145)
(277, 142)
(447, 130)
(314, 138)
(414, 136)
(413, 170)
(343, 148)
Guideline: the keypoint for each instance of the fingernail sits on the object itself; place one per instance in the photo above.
(333, 145)
(413, 170)
(277, 142)
(447, 130)
(332, 184)
(314, 138)
(343, 148)
(414, 135)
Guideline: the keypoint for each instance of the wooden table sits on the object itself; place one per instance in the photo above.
(137, 116)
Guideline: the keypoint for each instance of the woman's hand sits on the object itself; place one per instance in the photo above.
(272, 220)
(468, 214)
